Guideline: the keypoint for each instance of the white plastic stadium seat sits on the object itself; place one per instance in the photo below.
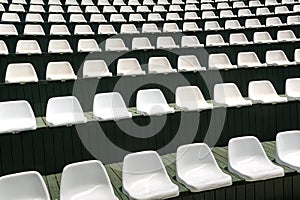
(190, 26)
(277, 57)
(292, 89)
(282, 10)
(212, 25)
(286, 36)
(293, 20)
(253, 23)
(190, 41)
(33, 17)
(126, 9)
(77, 18)
(24, 185)
(136, 18)
(173, 17)
(59, 46)
(83, 29)
(8, 29)
(220, 61)
(60, 71)
(103, 3)
(239, 4)
(158, 65)
(117, 18)
(129, 67)
(249, 59)
(106, 29)
(188, 63)
(191, 16)
(297, 56)
(36, 9)
(171, 27)
(55, 9)
(134, 3)
(94, 182)
(209, 15)
(229, 95)
(92, 9)
(88, 45)
(115, 44)
(215, 40)
(159, 9)
(16, 8)
(33, 29)
(166, 42)
(64, 111)
(71, 2)
(143, 9)
(59, 30)
(263, 37)
(190, 98)
(287, 149)
(271, 3)
(10, 17)
(20, 73)
(99, 18)
(16, 116)
(198, 170)
(118, 3)
(233, 24)
(154, 17)
(274, 21)
(227, 14)
(74, 9)
(57, 18)
(245, 13)
(145, 177)
(95, 69)
(3, 48)
(263, 11)
(141, 43)
(175, 8)
(109, 9)
(150, 28)
(152, 102)
(264, 92)
(129, 29)
(238, 39)
(28, 47)
(223, 5)
(247, 158)
(110, 106)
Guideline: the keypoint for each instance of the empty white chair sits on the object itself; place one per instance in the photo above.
(247, 158)
(171, 27)
(212, 25)
(191, 16)
(154, 17)
(192, 1)
(159, 9)
(117, 18)
(262, 37)
(296, 8)
(83, 29)
(282, 10)
(177, 2)
(71, 2)
(238, 39)
(106, 29)
(94, 182)
(238, 4)
(60, 71)
(59, 46)
(166, 43)
(142, 43)
(64, 111)
(103, 3)
(88, 45)
(95, 69)
(78, 18)
(33, 17)
(134, 3)
(233, 24)
(99, 18)
(271, 3)
(148, 2)
(188, 63)
(297, 56)
(129, 28)
(228, 95)
(152, 102)
(175, 8)
(8, 29)
(292, 89)
(215, 40)
(143, 9)
(2, 9)
(87, 3)
(126, 9)
(19, 2)
(226, 14)
(207, 6)
(15, 116)
(198, 170)
(54, 2)
(190, 98)
(3, 48)
(150, 28)
(37, 2)
(55, 9)
(263, 11)
(36, 9)
(287, 149)
(144, 175)
(57, 18)
(245, 13)
(284, 2)
(209, 15)
(115, 44)
(10, 17)
(190, 26)
(33, 29)
(28, 47)
(24, 185)
(293, 20)
(249, 59)
(59, 30)
(173, 17)
(277, 57)
(264, 92)
(92, 9)
(136, 18)
(129, 67)
(223, 5)
(286, 36)
(158, 65)
(16, 8)
(253, 23)
(109, 9)
(220, 61)
(118, 3)
(163, 2)
(274, 21)
(74, 9)
(255, 3)
(190, 41)
(20, 73)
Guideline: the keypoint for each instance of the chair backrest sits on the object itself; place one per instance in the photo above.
(140, 43)
(149, 98)
(8, 29)
(59, 30)
(3, 48)
(10, 17)
(59, 46)
(275, 55)
(261, 37)
(249, 23)
(95, 68)
(218, 59)
(88, 45)
(106, 29)
(189, 63)
(165, 42)
(245, 58)
(60, 71)
(114, 44)
(292, 88)
(224, 92)
(157, 63)
(127, 66)
(83, 29)
(20, 73)
(190, 41)
(28, 47)
(287, 142)
(260, 88)
(33, 29)
(214, 39)
(189, 96)
(285, 35)
(236, 38)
